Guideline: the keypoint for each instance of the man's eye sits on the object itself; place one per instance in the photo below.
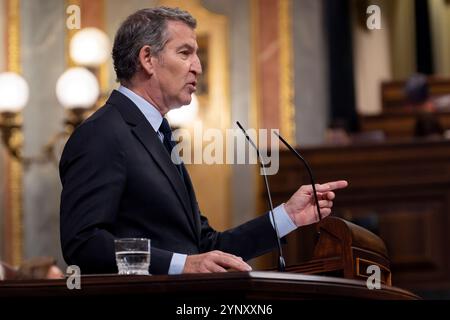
(184, 53)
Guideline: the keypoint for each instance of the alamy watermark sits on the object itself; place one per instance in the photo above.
(73, 21)
(215, 146)
(73, 277)
(374, 280)
(373, 21)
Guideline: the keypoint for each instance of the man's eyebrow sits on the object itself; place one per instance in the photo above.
(186, 46)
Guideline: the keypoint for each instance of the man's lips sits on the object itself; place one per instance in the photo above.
(192, 85)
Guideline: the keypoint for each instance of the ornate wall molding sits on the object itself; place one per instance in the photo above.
(287, 108)
(273, 91)
(13, 201)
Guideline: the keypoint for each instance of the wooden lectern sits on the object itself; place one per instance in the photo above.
(346, 250)
(242, 287)
(343, 250)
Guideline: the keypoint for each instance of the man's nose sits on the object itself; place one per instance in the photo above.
(196, 66)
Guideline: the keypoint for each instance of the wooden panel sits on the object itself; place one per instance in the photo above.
(394, 99)
(399, 125)
(399, 191)
(398, 119)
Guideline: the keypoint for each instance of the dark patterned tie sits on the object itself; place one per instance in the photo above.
(168, 142)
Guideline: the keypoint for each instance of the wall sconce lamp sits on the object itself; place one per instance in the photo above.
(77, 90)
(14, 95)
(89, 47)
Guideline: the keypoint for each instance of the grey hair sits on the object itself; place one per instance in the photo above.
(144, 27)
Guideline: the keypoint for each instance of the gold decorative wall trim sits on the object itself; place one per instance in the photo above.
(103, 70)
(14, 232)
(69, 34)
(255, 85)
(13, 35)
(287, 108)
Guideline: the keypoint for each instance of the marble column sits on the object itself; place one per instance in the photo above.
(310, 62)
(43, 61)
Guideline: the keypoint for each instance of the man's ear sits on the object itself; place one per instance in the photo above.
(145, 58)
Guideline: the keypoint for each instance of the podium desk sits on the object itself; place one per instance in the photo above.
(217, 287)
(399, 190)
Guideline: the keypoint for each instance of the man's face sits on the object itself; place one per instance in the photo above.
(176, 67)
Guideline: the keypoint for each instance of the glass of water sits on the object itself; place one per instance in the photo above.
(133, 255)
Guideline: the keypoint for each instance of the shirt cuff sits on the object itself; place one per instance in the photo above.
(284, 222)
(177, 263)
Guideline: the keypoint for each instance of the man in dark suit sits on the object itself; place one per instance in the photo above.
(118, 178)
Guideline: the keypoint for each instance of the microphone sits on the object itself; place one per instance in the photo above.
(281, 262)
(309, 172)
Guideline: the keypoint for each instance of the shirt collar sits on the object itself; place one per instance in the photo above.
(150, 112)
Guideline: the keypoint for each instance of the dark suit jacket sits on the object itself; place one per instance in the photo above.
(118, 181)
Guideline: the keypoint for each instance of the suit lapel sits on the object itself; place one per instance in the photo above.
(149, 139)
(147, 136)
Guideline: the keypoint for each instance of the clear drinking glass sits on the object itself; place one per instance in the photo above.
(133, 255)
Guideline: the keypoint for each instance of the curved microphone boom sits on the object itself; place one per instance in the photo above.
(281, 262)
(309, 171)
